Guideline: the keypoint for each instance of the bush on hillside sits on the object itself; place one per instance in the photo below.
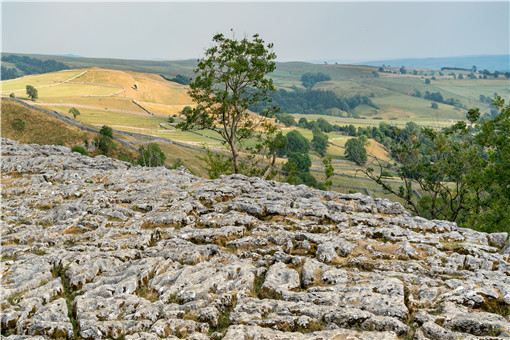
(80, 149)
(19, 125)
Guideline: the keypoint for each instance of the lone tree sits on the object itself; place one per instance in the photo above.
(151, 155)
(31, 92)
(229, 80)
(355, 150)
(74, 112)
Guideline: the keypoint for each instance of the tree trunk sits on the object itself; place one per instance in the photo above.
(234, 157)
(268, 171)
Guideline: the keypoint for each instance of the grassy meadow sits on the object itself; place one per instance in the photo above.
(118, 92)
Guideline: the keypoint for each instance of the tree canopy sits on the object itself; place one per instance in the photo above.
(310, 79)
(74, 111)
(462, 172)
(320, 142)
(296, 142)
(151, 155)
(230, 78)
(355, 150)
(31, 92)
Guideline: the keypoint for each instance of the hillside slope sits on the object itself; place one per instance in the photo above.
(96, 248)
(39, 127)
(28, 125)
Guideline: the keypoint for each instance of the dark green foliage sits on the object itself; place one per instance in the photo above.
(351, 130)
(80, 149)
(171, 120)
(434, 105)
(310, 79)
(106, 131)
(303, 123)
(296, 142)
(179, 79)
(403, 70)
(19, 125)
(217, 164)
(427, 81)
(301, 161)
(151, 155)
(286, 119)
(329, 171)
(297, 170)
(12, 95)
(494, 179)
(32, 65)
(106, 144)
(463, 172)
(230, 80)
(74, 112)
(312, 102)
(31, 92)
(436, 96)
(324, 125)
(9, 73)
(320, 142)
(355, 151)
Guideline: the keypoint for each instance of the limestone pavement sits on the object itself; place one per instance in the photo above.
(98, 248)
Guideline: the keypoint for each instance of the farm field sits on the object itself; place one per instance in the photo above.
(46, 79)
(132, 96)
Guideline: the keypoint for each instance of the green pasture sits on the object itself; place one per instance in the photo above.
(409, 108)
(65, 90)
(472, 89)
(185, 136)
(109, 102)
(351, 87)
(19, 84)
(99, 117)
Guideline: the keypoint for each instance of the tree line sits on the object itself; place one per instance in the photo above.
(312, 102)
(29, 65)
(462, 172)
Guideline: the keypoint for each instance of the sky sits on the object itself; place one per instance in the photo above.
(302, 31)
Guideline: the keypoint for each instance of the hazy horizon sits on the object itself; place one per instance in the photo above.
(332, 31)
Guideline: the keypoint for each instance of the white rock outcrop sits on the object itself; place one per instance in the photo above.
(97, 248)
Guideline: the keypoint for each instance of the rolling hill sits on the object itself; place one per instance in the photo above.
(133, 97)
(400, 97)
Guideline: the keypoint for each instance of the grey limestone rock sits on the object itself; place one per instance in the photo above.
(150, 253)
(280, 278)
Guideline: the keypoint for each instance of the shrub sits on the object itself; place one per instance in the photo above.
(12, 95)
(151, 155)
(106, 131)
(80, 149)
(19, 125)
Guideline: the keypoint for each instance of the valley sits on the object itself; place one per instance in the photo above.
(142, 102)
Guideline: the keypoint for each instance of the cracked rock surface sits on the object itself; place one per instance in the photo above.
(97, 248)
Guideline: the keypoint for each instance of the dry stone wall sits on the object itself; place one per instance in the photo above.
(97, 248)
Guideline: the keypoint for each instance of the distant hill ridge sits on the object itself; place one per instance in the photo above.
(490, 62)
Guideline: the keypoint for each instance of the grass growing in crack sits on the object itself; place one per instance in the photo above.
(14, 299)
(7, 258)
(69, 296)
(496, 306)
(224, 320)
(257, 285)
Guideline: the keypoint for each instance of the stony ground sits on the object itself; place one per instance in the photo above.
(96, 248)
